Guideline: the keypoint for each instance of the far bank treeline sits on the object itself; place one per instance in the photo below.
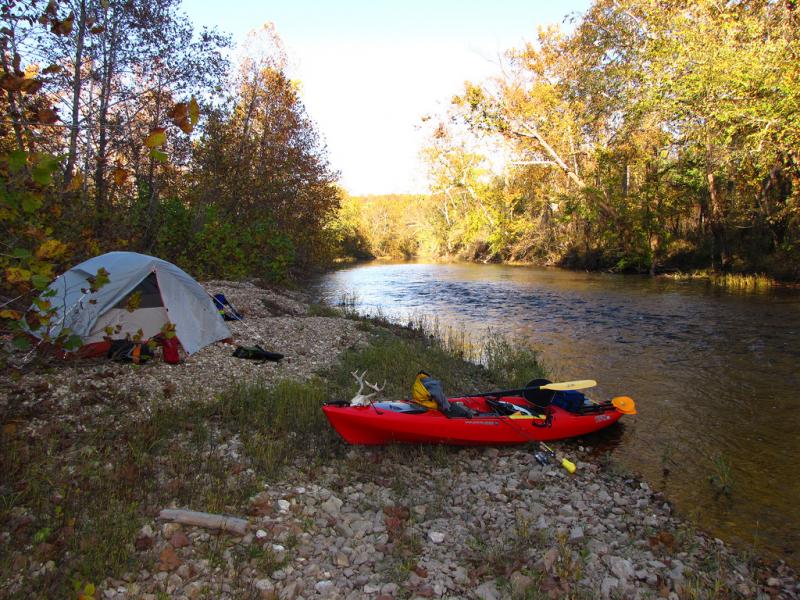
(653, 136)
(122, 128)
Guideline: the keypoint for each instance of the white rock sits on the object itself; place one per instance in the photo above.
(261, 534)
(436, 537)
(284, 505)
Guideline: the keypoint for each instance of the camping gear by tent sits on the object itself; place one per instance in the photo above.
(143, 293)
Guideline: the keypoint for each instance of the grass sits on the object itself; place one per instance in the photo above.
(731, 281)
(89, 491)
(721, 479)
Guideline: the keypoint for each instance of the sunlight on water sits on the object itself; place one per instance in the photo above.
(714, 372)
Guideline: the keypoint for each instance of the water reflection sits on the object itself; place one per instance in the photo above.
(714, 372)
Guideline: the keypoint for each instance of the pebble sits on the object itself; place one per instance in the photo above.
(436, 537)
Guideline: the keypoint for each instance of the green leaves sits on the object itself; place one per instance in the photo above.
(156, 138)
(159, 156)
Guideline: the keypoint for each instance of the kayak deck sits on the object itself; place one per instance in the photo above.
(371, 425)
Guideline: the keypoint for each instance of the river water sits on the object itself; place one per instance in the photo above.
(715, 373)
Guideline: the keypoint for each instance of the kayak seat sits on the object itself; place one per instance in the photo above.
(457, 410)
(540, 399)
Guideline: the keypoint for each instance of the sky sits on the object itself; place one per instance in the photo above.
(370, 70)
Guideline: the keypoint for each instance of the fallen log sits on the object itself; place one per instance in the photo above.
(207, 520)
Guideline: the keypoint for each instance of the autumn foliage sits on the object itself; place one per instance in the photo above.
(124, 129)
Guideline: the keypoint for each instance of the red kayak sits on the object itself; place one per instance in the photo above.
(406, 422)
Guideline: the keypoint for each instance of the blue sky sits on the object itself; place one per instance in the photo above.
(370, 70)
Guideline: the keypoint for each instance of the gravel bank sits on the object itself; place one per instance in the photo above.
(383, 523)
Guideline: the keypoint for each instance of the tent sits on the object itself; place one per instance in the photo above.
(143, 293)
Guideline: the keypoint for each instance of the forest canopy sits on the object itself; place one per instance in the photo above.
(649, 135)
(123, 128)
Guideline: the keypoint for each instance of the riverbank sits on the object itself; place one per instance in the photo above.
(94, 451)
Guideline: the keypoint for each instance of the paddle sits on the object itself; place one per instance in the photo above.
(563, 386)
(568, 465)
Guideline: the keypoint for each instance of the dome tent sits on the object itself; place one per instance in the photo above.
(163, 293)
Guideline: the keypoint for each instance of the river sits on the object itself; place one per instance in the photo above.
(715, 373)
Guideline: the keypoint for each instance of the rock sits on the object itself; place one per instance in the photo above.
(291, 591)
(332, 506)
(261, 534)
(609, 583)
(168, 560)
(542, 522)
(265, 587)
(340, 560)
(390, 589)
(549, 559)
(284, 505)
(566, 510)
(436, 537)
(185, 571)
(426, 591)
(773, 582)
(324, 587)
(622, 568)
(174, 582)
(460, 576)
(676, 574)
(576, 534)
(179, 540)
(520, 584)
(371, 588)
(194, 590)
(169, 529)
(487, 591)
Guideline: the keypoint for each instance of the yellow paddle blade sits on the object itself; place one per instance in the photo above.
(569, 466)
(518, 415)
(624, 404)
(564, 386)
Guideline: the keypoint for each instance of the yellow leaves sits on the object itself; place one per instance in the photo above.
(87, 593)
(194, 111)
(51, 249)
(51, 69)
(17, 275)
(10, 314)
(156, 138)
(185, 115)
(120, 175)
(75, 183)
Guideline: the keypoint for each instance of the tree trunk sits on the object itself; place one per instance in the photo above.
(148, 239)
(716, 220)
(77, 84)
(109, 66)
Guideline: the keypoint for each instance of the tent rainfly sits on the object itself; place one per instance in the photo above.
(162, 293)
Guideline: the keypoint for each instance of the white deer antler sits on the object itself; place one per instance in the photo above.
(360, 399)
